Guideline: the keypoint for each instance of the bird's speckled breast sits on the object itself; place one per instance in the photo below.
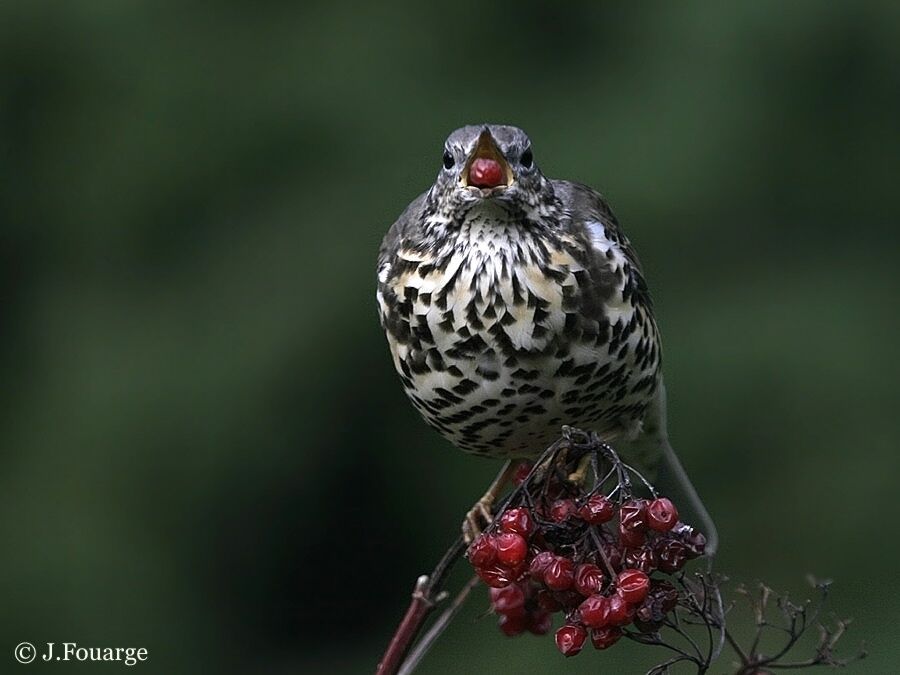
(506, 332)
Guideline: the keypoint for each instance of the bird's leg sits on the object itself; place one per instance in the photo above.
(577, 476)
(481, 514)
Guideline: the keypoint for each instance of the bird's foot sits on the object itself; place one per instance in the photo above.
(482, 514)
(580, 473)
(478, 518)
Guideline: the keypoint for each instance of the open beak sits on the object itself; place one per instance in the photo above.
(486, 167)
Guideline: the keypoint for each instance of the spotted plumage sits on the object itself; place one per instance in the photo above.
(514, 304)
(515, 308)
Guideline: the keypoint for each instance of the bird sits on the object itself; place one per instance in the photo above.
(513, 304)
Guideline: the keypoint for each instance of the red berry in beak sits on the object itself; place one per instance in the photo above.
(486, 173)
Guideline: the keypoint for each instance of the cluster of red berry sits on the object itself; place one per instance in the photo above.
(590, 558)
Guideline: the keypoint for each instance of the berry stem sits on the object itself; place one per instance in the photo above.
(599, 545)
(556, 546)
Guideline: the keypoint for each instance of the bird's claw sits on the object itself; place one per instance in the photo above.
(580, 473)
(477, 519)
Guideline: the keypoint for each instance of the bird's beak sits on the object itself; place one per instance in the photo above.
(486, 167)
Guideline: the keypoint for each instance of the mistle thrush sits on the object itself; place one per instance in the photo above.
(513, 304)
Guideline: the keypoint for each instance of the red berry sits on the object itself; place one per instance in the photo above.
(649, 617)
(539, 565)
(597, 510)
(497, 576)
(562, 509)
(483, 551)
(632, 514)
(555, 490)
(643, 559)
(671, 555)
(631, 538)
(661, 515)
(618, 612)
(695, 543)
(517, 520)
(570, 639)
(511, 548)
(508, 600)
(548, 602)
(588, 579)
(613, 555)
(522, 471)
(594, 611)
(665, 594)
(560, 574)
(644, 613)
(513, 625)
(569, 599)
(602, 638)
(540, 623)
(632, 585)
(486, 173)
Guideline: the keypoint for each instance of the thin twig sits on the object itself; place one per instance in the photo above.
(426, 594)
(437, 628)
(745, 660)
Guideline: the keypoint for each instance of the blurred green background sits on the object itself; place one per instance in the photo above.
(205, 450)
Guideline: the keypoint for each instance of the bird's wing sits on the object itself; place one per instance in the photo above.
(404, 228)
(408, 221)
(651, 450)
(588, 208)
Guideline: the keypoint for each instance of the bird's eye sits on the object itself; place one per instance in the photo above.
(527, 159)
(448, 160)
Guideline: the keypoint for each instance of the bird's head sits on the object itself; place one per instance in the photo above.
(488, 163)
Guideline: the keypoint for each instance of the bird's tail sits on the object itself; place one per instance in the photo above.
(674, 482)
(652, 449)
